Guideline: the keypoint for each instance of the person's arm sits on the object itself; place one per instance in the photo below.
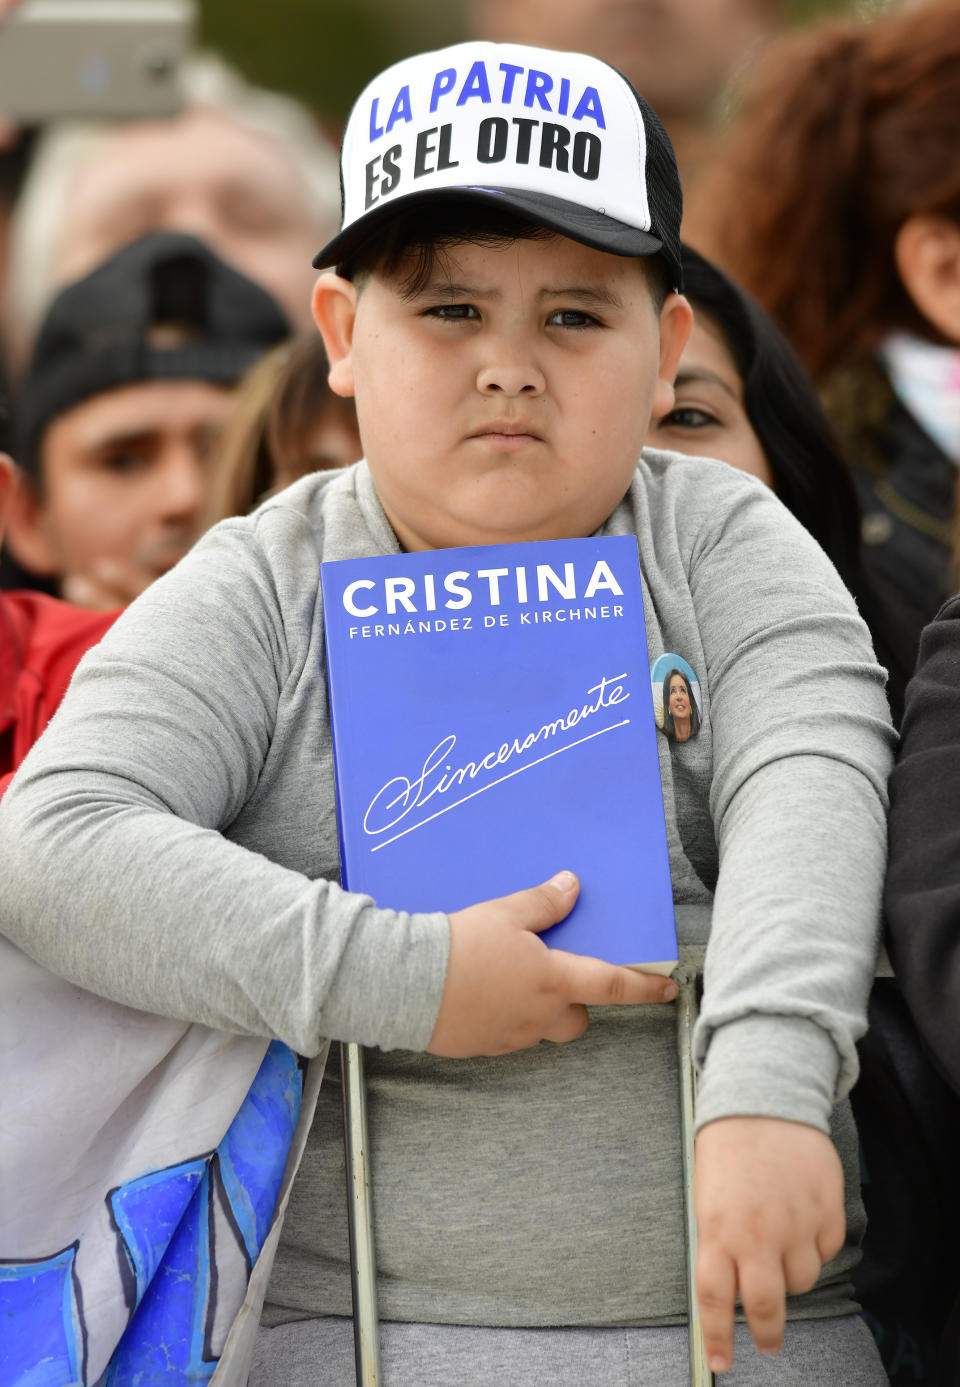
(802, 748)
(116, 873)
(922, 897)
(117, 876)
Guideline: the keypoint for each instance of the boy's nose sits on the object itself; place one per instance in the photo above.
(511, 378)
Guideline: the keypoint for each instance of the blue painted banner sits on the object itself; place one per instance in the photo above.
(171, 1250)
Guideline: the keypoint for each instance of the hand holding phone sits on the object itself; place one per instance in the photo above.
(92, 58)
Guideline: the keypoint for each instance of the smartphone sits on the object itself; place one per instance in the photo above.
(95, 58)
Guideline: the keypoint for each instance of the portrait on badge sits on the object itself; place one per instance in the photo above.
(677, 699)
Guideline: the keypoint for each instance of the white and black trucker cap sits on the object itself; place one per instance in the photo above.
(560, 138)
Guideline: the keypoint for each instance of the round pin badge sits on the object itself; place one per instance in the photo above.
(677, 698)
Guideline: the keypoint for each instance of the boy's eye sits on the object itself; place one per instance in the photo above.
(571, 317)
(452, 311)
(688, 417)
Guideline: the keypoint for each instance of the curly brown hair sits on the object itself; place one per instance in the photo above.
(849, 130)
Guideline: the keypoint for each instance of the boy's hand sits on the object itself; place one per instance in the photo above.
(768, 1195)
(505, 990)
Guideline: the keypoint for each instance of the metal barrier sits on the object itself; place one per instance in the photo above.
(360, 1203)
(363, 1264)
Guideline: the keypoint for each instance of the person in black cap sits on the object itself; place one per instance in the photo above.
(130, 380)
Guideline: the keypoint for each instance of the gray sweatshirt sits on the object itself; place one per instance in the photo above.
(171, 843)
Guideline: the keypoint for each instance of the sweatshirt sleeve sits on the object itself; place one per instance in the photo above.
(922, 897)
(116, 871)
(802, 748)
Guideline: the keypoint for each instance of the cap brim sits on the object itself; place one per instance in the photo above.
(570, 219)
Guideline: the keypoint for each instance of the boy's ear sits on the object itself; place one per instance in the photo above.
(676, 320)
(27, 536)
(927, 255)
(334, 312)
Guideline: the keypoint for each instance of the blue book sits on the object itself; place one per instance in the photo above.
(493, 723)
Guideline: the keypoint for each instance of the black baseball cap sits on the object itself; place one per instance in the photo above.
(561, 139)
(165, 307)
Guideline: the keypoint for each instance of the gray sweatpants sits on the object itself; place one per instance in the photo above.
(319, 1353)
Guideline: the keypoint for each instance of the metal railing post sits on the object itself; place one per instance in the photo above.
(363, 1262)
(687, 1009)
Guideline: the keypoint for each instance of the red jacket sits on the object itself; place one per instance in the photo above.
(41, 641)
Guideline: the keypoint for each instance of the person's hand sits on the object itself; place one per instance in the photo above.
(769, 1202)
(506, 990)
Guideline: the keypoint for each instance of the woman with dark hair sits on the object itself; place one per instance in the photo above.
(681, 716)
(801, 459)
(743, 396)
(837, 202)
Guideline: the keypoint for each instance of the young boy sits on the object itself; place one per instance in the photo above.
(506, 315)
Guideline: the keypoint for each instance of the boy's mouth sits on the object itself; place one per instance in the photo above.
(505, 433)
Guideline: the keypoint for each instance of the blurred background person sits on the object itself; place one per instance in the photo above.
(837, 203)
(41, 641)
(743, 396)
(117, 420)
(285, 422)
(245, 170)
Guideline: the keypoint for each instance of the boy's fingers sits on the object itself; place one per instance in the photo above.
(832, 1235)
(544, 905)
(597, 984)
(570, 1026)
(534, 909)
(587, 980)
(763, 1296)
(801, 1267)
(716, 1293)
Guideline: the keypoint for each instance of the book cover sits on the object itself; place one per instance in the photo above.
(493, 723)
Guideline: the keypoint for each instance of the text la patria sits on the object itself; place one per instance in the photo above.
(518, 138)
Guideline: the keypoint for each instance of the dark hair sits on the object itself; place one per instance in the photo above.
(668, 726)
(810, 475)
(165, 307)
(416, 238)
(850, 130)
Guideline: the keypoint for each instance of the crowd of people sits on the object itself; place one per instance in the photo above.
(229, 356)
